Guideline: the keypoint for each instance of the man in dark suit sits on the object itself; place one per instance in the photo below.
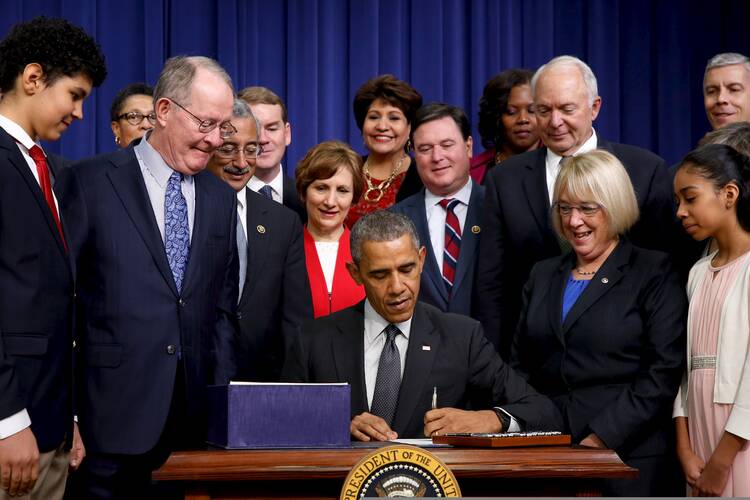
(447, 212)
(274, 296)
(157, 283)
(275, 135)
(48, 68)
(403, 358)
(517, 231)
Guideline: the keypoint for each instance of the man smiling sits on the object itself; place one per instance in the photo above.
(396, 352)
(726, 89)
(274, 294)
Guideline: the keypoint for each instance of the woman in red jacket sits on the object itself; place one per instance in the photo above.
(329, 180)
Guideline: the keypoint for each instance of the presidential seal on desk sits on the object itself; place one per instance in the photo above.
(400, 471)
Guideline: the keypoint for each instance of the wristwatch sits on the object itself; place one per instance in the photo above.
(504, 419)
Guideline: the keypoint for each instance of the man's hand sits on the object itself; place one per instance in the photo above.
(19, 462)
(593, 441)
(78, 451)
(368, 427)
(444, 420)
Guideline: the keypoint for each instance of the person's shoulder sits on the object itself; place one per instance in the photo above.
(408, 203)
(507, 170)
(627, 152)
(215, 185)
(448, 321)
(338, 321)
(101, 163)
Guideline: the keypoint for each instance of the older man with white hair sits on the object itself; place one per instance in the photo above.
(726, 89)
(517, 232)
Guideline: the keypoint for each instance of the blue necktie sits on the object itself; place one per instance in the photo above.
(267, 191)
(176, 230)
(388, 381)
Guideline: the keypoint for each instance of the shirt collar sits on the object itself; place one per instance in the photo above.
(375, 324)
(553, 159)
(463, 195)
(154, 163)
(277, 183)
(18, 133)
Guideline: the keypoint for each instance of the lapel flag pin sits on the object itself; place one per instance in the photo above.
(261, 229)
(476, 229)
(425, 347)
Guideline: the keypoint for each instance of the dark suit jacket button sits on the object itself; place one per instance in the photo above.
(171, 349)
(239, 315)
(181, 302)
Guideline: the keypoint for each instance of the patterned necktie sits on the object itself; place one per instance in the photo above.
(176, 230)
(388, 381)
(267, 191)
(242, 252)
(45, 184)
(452, 242)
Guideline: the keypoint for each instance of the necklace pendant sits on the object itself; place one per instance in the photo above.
(373, 198)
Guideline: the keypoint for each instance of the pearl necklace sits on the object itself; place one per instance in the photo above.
(380, 189)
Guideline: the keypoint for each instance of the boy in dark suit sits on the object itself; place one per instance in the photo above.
(47, 68)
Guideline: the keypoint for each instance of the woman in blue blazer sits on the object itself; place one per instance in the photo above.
(602, 330)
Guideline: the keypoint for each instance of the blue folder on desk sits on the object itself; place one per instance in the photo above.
(276, 415)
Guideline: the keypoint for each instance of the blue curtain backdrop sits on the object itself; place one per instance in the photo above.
(648, 55)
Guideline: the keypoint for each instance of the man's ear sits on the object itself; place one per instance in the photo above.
(422, 254)
(354, 272)
(33, 79)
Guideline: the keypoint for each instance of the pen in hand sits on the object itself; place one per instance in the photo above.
(434, 398)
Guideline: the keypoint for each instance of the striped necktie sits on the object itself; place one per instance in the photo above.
(452, 242)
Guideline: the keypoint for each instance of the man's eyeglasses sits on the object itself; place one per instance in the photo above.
(585, 209)
(136, 117)
(251, 151)
(226, 129)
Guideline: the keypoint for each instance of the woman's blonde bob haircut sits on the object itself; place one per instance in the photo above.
(599, 177)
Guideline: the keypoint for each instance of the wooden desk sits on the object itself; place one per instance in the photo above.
(320, 474)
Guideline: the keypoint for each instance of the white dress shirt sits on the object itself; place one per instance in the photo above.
(242, 209)
(553, 162)
(375, 341)
(277, 185)
(25, 143)
(156, 174)
(327, 253)
(436, 216)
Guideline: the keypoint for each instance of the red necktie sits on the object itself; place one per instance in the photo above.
(452, 242)
(37, 155)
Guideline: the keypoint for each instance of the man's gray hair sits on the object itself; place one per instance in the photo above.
(178, 73)
(736, 135)
(381, 225)
(725, 59)
(241, 109)
(571, 62)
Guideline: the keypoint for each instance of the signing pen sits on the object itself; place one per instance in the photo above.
(434, 398)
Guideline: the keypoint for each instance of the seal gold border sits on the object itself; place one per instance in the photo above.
(413, 458)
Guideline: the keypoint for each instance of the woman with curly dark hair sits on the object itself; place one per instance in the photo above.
(384, 108)
(507, 123)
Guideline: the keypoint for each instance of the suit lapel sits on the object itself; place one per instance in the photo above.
(557, 289)
(348, 348)
(257, 242)
(535, 187)
(469, 239)
(418, 368)
(415, 209)
(127, 182)
(16, 159)
(606, 278)
(204, 203)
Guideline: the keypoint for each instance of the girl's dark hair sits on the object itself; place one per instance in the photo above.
(721, 165)
(494, 102)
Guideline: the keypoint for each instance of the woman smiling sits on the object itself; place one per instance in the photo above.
(328, 181)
